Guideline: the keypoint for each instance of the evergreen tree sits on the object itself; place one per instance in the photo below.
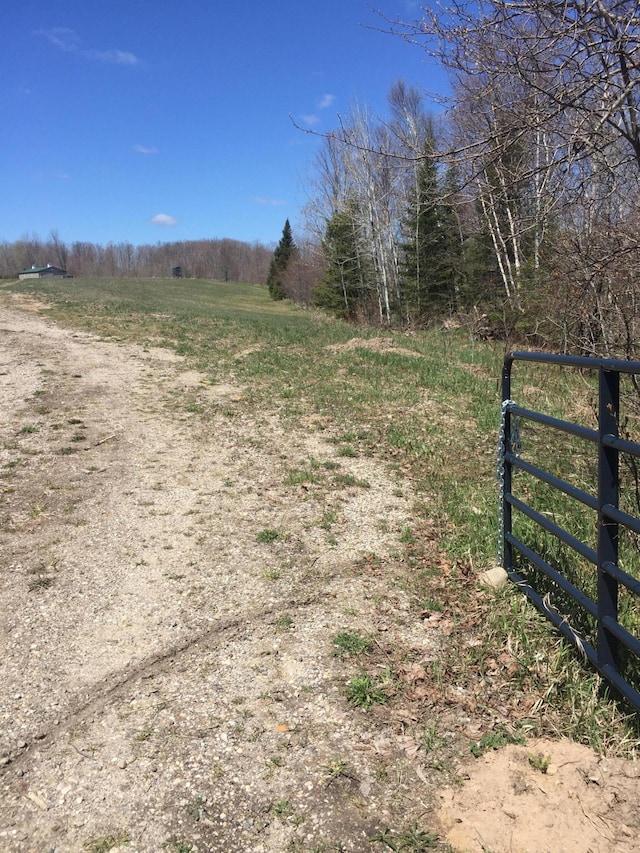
(452, 258)
(344, 283)
(429, 272)
(284, 252)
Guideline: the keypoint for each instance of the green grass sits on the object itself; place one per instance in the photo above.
(300, 477)
(268, 535)
(196, 808)
(282, 809)
(347, 450)
(143, 735)
(272, 574)
(539, 762)
(495, 740)
(407, 537)
(350, 643)
(413, 840)
(283, 622)
(432, 415)
(351, 480)
(363, 692)
(329, 518)
(107, 842)
(338, 768)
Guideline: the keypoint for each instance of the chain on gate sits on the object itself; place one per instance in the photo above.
(515, 446)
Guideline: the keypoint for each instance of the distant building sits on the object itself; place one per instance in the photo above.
(176, 272)
(44, 272)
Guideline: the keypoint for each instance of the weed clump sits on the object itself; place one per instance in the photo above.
(268, 535)
(363, 692)
(350, 643)
(495, 740)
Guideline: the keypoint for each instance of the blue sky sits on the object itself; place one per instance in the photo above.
(157, 120)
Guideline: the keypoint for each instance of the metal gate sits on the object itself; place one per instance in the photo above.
(611, 639)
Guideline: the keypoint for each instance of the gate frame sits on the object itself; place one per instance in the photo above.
(610, 634)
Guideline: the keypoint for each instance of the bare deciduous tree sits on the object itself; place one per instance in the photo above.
(545, 127)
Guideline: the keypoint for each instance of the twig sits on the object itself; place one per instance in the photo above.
(83, 754)
(589, 818)
(102, 441)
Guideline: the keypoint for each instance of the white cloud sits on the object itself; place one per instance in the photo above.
(312, 119)
(273, 201)
(142, 149)
(112, 57)
(163, 219)
(49, 176)
(326, 101)
(68, 41)
(62, 37)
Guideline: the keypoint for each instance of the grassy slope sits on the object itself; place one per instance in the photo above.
(428, 403)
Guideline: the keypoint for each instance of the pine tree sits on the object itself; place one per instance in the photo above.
(428, 273)
(344, 283)
(284, 251)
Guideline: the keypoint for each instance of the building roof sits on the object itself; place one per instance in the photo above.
(41, 269)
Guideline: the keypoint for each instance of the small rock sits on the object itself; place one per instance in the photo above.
(496, 578)
(38, 800)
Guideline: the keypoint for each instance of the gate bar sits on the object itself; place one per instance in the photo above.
(608, 490)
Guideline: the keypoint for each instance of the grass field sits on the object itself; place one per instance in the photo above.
(428, 403)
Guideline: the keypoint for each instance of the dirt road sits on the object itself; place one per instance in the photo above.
(170, 599)
(167, 677)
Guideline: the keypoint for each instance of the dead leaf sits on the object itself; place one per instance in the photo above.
(413, 672)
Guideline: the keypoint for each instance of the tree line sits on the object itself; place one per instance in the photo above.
(220, 259)
(517, 209)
